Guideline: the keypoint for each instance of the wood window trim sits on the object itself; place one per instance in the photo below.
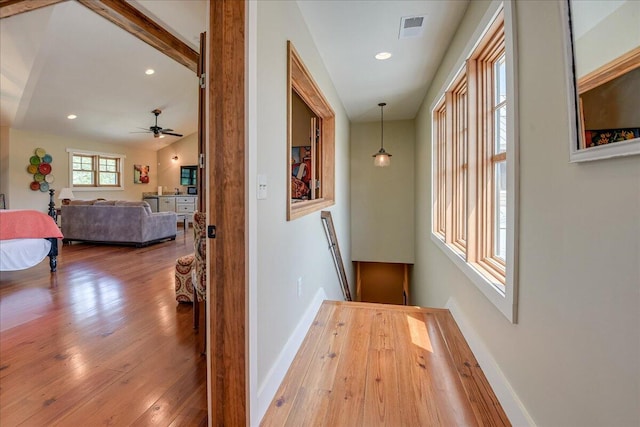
(487, 274)
(619, 66)
(95, 156)
(459, 144)
(299, 79)
(439, 136)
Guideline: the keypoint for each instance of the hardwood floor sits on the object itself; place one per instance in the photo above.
(101, 342)
(364, 364)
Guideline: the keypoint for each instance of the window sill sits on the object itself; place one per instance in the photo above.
(492, 289)
(300, 209)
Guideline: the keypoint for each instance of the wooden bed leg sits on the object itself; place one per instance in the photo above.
(53, 254)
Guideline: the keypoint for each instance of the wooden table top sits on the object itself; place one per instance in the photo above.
(365, 364)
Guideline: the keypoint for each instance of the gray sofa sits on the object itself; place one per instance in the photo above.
(116, 221)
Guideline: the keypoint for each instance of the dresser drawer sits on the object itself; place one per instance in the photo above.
(181, 209)
(191, 200)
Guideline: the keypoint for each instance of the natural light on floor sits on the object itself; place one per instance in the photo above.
(419, 334)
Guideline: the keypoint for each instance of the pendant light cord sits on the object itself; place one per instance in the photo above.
(382, 104)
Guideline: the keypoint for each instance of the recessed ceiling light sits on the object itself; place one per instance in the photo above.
(383, 55)
(150, 71)
(72, 116)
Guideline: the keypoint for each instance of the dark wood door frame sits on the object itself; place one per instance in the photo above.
(227, 211)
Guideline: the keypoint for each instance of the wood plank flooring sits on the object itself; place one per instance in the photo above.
(102, 342)
(369, 365)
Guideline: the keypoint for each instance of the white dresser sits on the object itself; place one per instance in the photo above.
(183, 206)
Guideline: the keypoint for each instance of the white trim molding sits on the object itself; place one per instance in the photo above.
(509, 400)
(276, 374)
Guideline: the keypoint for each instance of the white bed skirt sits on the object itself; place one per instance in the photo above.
(19, 254)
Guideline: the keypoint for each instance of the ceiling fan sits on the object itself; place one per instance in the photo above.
(157, 131)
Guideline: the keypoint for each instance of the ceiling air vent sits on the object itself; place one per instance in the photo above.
(411, 26)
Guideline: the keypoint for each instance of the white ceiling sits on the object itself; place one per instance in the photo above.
(348, 34)
(65, 59)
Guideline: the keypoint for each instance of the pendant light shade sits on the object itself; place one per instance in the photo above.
(382, 158)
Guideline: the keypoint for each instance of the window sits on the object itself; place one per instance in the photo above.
(474, 147)
(188, 175)
(311, 142)
(90, 170)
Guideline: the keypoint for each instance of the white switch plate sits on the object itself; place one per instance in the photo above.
(299, 287)
(262, 187)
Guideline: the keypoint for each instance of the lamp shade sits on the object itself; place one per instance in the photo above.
(66, 193)
(382, 158)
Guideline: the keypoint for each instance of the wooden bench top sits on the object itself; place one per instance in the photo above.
(365, 364)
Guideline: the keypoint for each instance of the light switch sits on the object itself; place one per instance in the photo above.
(262, 187)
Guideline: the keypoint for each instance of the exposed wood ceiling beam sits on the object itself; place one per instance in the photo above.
(138, 24)
(124, 16)
(13, 7)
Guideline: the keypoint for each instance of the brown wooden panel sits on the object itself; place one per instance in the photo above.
(226, 210)
(381, 282)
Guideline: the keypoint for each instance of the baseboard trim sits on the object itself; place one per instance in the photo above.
(279, 369)
(508, 398)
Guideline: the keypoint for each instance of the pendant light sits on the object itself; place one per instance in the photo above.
(382, 158)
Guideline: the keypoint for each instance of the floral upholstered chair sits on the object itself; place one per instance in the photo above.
(191, 269)
(199, 273)
(184, 285)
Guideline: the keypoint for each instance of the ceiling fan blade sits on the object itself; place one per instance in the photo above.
(142, 132)
(164, 132)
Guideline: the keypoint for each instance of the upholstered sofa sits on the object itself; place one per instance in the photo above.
(116, 221)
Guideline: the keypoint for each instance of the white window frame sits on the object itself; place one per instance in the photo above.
(503, 297)
(120, 157)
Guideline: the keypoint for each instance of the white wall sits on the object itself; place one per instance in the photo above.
(287, 250)
(22, 145)
(382, 208)
(572, 359)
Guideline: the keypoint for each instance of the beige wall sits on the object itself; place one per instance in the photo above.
(22, 145)
(614, 36)
(288, 250)
(4, 161)
(169, 170)
(615, 104)
(382, 199)
(572, 359)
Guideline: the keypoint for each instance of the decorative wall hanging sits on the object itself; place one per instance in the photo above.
(140, 174)
(40, 168)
